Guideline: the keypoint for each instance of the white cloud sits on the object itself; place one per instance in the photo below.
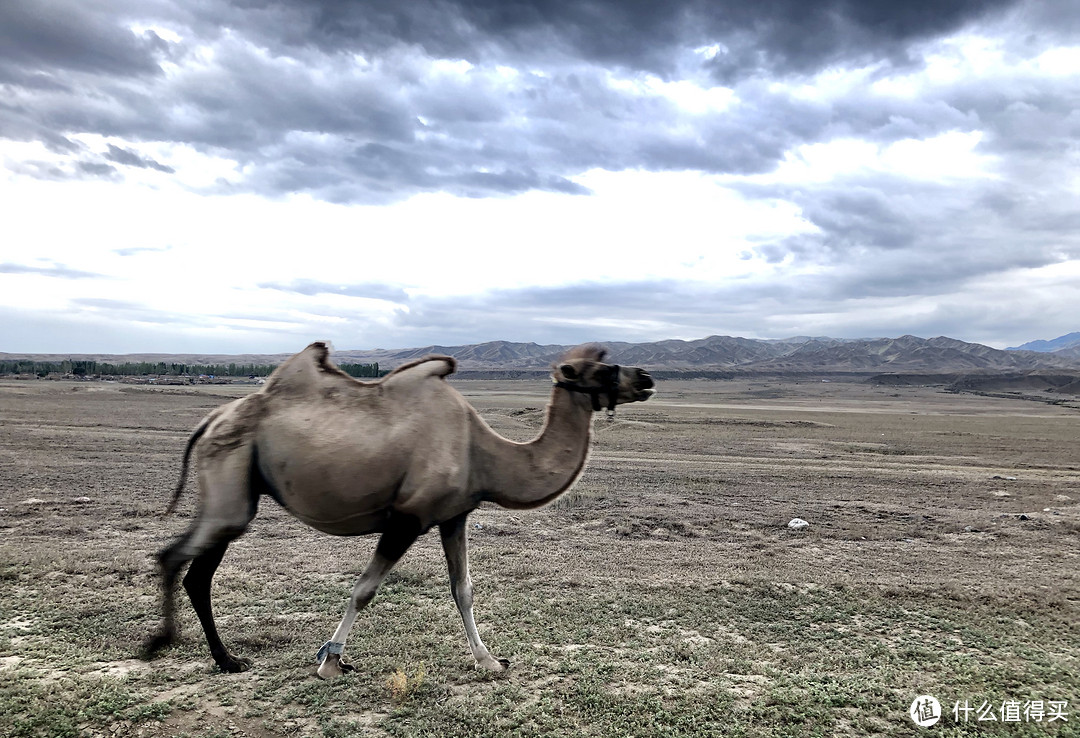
(950, 155)
(689, 95)
(946, 156)
(1059, 62)
(207, 254)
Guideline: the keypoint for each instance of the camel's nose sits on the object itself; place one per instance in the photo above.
(643, 381)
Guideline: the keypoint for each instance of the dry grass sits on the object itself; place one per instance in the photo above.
(664, 595)
(402, 686)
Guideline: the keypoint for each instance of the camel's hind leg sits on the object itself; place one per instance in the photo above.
(197, 583)
(401, 532)
(456, 547)
(204, 545)
(229, 503)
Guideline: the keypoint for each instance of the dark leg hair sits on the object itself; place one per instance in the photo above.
(197, 583)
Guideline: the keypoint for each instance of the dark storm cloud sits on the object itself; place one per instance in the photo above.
(41, 39)
(286, 97)
(372, 291)
(789, 36)
(773, 36)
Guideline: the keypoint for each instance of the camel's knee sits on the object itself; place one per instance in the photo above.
(462, 593)
(206, 563)
(189, 545)
(362, 595)
(171, 558)
(195, 584)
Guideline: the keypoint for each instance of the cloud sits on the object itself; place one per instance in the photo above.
(55, 270)
(101, 310)
(131, 159)
(372, 291)
(133, 250)
(96, 169)
(375, 102)
(774, 36)
(882, 234)
(106, 303)
(979, 308)
(916, 153)
(70, 332)
(74, 37)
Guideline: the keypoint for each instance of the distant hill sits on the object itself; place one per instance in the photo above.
(910, 354)
(1068, 345)
(906, 354)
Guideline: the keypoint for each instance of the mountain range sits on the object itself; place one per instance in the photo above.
(719, 353)
(1067, 345)
(906, 354)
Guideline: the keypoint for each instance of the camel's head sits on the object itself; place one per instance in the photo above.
(583, 370)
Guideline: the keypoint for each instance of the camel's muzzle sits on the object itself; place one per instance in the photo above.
(643, 386)
(640, 387)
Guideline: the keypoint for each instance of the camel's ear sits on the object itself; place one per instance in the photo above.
(568, 371)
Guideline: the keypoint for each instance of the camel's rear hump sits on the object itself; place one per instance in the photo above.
(432, 365)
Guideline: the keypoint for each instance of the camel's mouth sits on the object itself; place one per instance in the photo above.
(642, 386)
(639, 394)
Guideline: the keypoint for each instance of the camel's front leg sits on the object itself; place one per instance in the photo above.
(400, 534)
(456, 547)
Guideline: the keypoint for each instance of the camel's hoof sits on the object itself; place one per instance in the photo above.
(233, 665)
(332, 667)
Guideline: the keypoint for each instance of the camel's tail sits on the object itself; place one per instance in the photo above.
(187, 457)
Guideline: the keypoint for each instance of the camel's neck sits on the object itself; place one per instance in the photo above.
(526, 475)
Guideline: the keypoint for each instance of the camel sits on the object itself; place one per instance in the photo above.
(397, 456)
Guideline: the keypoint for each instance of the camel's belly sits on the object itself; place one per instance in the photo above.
(333, 502)
(345, 478)
(357, 525)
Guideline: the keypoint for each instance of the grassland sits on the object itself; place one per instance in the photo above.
(665, 595)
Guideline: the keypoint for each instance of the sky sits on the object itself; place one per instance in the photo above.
(247, 176)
